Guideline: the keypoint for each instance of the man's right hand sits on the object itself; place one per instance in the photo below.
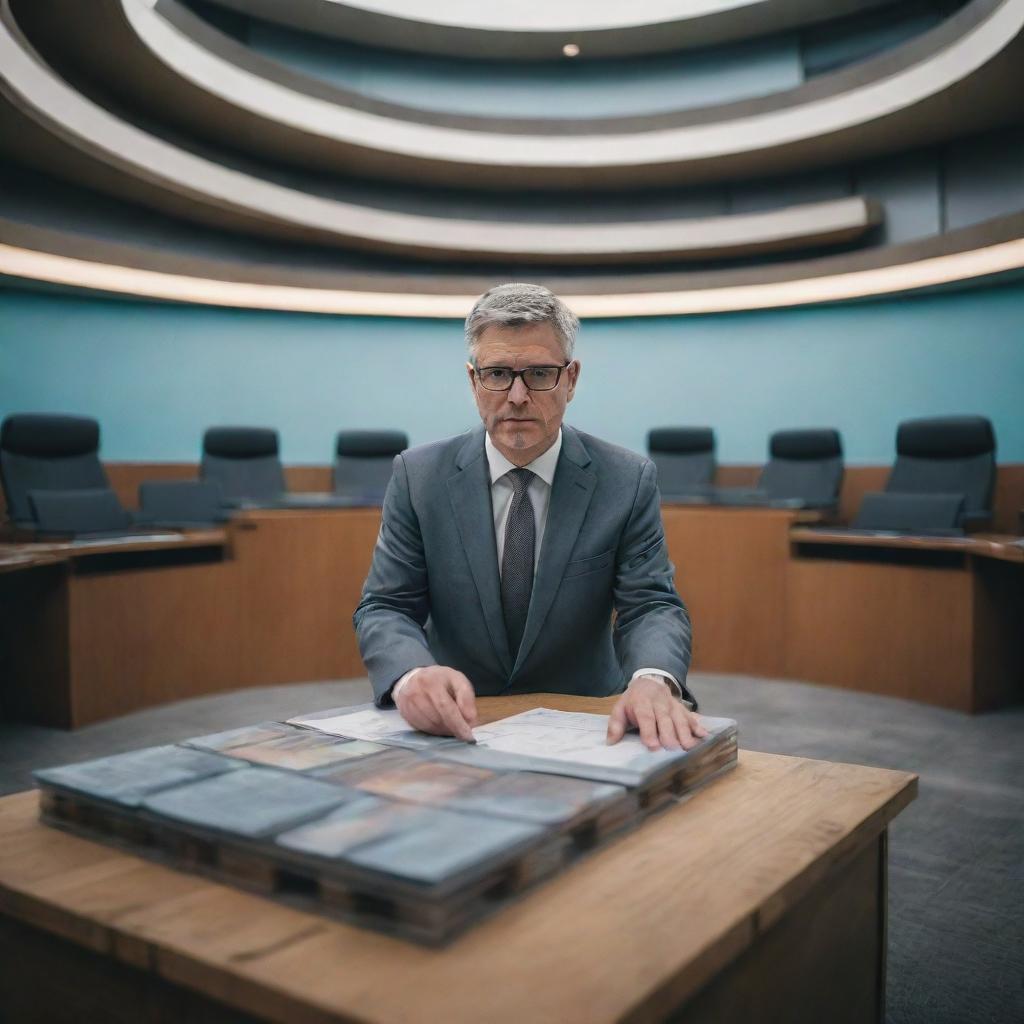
(439, 700)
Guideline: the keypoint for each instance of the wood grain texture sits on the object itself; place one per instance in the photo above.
(825, 961)
(761, 840)
(731, 567)
(298, 578)
(139, 637)
(899, 629)
(111, 628)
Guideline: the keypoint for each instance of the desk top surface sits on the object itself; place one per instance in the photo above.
(631, 930)
(17, 556)
(793, 515)
(1005, 547)
(47, 552)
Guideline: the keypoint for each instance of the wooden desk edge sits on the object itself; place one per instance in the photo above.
(1004, 547)
(172, 963)
(62, 551)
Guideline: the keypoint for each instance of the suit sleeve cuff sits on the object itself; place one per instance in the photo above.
(396, 689)
(670, 681)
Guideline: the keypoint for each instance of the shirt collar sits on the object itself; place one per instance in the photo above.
(544, 465)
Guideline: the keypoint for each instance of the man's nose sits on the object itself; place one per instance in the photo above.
(519, 392)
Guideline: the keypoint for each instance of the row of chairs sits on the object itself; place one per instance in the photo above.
(942, 479)
(54, 482)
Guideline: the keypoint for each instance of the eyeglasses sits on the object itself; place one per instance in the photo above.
(536, 378)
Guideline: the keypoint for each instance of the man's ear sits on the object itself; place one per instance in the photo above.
(471, 373)
(573, 370)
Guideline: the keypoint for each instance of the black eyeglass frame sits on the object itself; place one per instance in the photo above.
(520, 374)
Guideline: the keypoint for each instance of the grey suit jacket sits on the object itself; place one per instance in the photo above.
(433, 595)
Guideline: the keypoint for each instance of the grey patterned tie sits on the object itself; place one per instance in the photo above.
(517, 558)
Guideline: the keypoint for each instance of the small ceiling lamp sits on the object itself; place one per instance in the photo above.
(570, 50)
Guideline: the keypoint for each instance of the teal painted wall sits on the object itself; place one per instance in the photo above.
(157, 375)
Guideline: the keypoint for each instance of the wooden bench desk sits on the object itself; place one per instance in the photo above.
(761, 898)
(933, 619)
(731, 565)
(100, 628)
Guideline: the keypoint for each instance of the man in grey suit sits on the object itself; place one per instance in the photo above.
(503, 552)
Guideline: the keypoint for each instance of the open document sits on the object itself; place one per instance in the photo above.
(557, 742)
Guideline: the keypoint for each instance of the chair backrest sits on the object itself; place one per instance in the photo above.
(363, 459)
(79, 511)
(47, 452)
(684, 457)
(947, 455)
(244, 461)
(180, 501)
(804, 464)
(888, 510)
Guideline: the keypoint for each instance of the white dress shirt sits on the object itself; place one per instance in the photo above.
(543, 469)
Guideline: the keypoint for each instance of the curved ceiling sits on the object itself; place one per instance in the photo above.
(164, 174)
(162, 169)
(144, 101)
(962, 76)
(538, 29)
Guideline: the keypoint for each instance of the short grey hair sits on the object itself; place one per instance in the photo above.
(516, 305)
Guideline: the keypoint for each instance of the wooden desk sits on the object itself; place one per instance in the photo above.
(104, 628)
(936, 619)
(762, 898)
(100, 629)
(731, 566)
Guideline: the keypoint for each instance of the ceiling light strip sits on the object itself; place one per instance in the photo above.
(51, 268)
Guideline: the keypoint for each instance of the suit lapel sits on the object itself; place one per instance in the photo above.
(571, 492)
(470, 494)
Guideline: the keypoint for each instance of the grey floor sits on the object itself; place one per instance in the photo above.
(956, 927)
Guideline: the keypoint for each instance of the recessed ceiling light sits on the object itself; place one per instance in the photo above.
(571, 50)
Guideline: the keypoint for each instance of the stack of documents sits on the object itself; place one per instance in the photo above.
(352, 812)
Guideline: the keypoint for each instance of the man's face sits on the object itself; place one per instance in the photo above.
(522, 423)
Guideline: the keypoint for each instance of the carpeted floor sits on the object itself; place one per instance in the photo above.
(956, 926)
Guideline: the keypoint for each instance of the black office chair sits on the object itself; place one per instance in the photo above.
(804, 470)
(685, 460)
(180, 503)
(41, 452)
(804, 466)
(362, 462)
(938, 461)
(244, 462)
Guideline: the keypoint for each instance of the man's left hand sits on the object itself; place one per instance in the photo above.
(650, 706)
